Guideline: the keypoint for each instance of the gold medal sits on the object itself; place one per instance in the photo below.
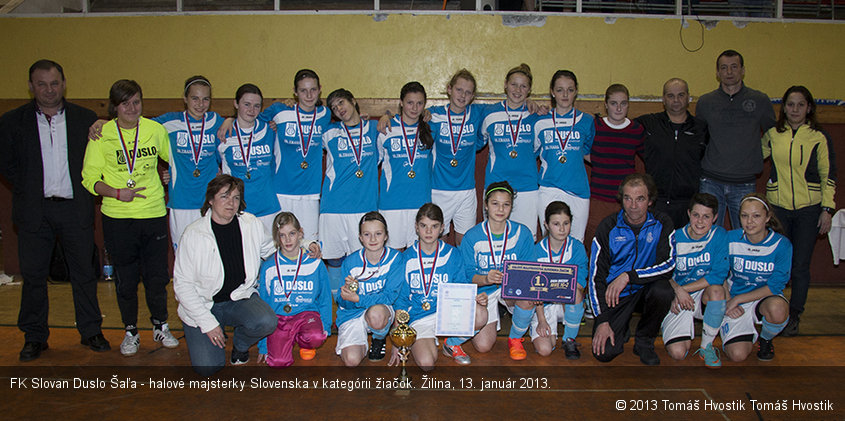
(353, 286)
(248, 175)
(562, 159)
(303, 165)
(359, 173)
(412, 174)
(454, 162)
(426, 306)
(513, 154)
(197, 172)
(287, 308)
(130, 183)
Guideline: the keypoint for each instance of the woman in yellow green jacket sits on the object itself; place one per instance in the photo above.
(801, 186)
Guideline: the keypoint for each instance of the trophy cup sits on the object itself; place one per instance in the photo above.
(403, 336)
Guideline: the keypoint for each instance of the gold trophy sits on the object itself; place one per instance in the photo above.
(403, 336)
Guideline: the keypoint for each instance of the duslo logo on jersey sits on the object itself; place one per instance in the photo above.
(439, 278)
(684, 262)
(444, 130)
(182, 139)
(255, 152)
(741, 264)
(371, 287)
(290, 129)
(395, 144)
(500, 129)
(549, 136)
(142, 152)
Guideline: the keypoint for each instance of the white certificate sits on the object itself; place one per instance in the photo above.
(455, 310)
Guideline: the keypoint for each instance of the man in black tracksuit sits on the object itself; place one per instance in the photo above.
(675, 141)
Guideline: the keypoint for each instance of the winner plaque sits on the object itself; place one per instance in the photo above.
(536, 281)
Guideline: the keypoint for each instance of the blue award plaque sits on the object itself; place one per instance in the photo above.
(536, 281)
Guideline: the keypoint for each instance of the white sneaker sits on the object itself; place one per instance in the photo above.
(164, 336)
(130, 344)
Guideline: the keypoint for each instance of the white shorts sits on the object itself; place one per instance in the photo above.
(554, 315)
(354, 331)
(460, 207)
(681, 325)
(579, 206)
(339, 234)
(306, 208)
(425, 327)
(400, 227)
(179, 219)
(493, 300)
(525, 210)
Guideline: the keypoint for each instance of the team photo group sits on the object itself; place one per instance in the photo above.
(259, 207)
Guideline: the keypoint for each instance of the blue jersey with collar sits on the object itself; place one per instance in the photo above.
(377, 284)
(478, 259)
(705, 258)
(753, 266)
(185, 190)
(466, 130)
(343, 191)
(449, 269)
(259, 193)
(571, 175)
(291, 133)
(573, 252)
(397, 190)
(498, 125)
(307, 291)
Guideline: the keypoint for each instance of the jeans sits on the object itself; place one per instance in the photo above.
(252, 320)
(801, 228)
(729, 195)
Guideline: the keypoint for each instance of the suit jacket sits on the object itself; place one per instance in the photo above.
(21, 165)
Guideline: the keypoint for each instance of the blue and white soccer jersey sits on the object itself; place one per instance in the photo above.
(300, 172)
(350, 188)
(377, 284)
(478, 259)
(563, 142)
(418, 295)
(403, 187)
(513, 160)
(457, 138)
(192, 166)
(753, 266)
(705, 258)
(254, 165)
(573, 253)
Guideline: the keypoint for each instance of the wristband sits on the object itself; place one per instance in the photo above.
(828, 210)
(118, 194)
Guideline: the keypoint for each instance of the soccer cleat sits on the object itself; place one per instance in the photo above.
(378, 349)
(239, 357)
(164, 336)
(570, 349)
(766, 351)
(457, 353)
(516, 350)
(710, 356)
(307, 354)
(647, 355)
(130, 344)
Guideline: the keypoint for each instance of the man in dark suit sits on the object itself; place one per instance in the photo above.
(42, 145)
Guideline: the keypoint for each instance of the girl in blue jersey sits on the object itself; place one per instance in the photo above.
(251, 155)
(297, 288)
(508, 127)
(564, 139)
(701, 267)
(484, 249)
(428, 263)
(405, 152)
(350, 188)
(760, 259)
(374, 276)
(560, 247)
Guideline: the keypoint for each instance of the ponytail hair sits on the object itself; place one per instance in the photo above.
(525, 70)
(422, 127)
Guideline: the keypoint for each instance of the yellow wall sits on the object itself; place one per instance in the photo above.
(373, 59)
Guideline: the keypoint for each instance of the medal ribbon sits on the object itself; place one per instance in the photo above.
(455, 145)
(560, 141)
(130, 161)
(514, 133)
(296, 275)
(490, 243)
(562, 249)
(196, 151)
(305, 146)
(360, 149)
(364, 269)
(245, 155)
(412, 155)
(427, 285)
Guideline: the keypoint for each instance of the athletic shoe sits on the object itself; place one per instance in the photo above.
(588, 311)
(710, 356)
(164, 336)
(456, 352)
(378, 349)
(516, 350)
(307, 354)
(791, 328)
(239, 357)
(97, 343)
(647, 355)
(766, 351)
(130, 344)
(570, 349)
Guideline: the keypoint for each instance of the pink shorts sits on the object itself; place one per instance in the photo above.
(306, 329)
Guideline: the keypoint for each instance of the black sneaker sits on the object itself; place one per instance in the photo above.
(647, 355)
(766, 351)
(570, 349)
(791, 328)
(378, 349)
(239, 357)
